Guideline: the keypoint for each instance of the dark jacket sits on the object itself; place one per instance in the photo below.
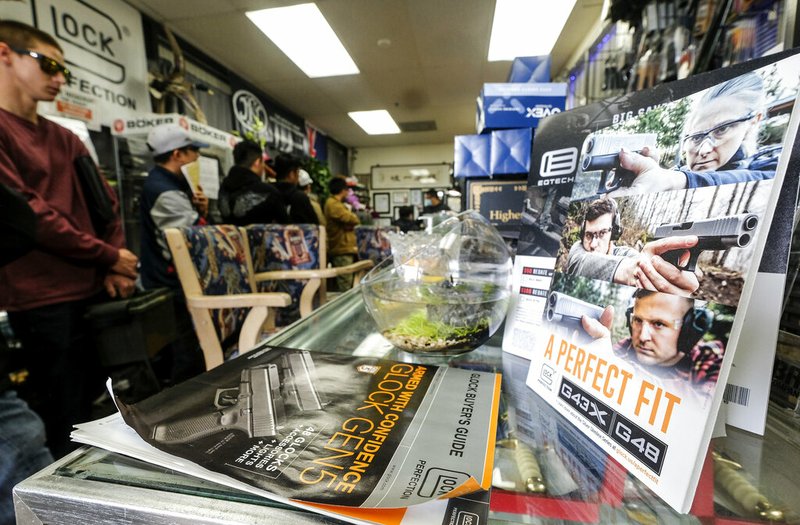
(245, 199)
(298, 204)
(166, 202)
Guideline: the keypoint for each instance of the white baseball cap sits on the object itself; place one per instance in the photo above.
(304, 179)
(168, 137)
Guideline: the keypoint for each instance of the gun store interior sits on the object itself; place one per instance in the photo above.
(438, 184)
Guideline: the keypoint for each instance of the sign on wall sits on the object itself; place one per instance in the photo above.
(498, 201)
(254, 114)
(103, 46)
(411, 176)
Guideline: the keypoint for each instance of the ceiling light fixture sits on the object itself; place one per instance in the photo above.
(377, 122)
(513, 31)
(303, 34)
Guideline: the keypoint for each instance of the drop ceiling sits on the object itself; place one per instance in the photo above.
(428, 67)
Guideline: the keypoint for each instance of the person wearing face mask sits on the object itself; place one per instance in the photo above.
(719, 143)
(434, 203)
(75, 258)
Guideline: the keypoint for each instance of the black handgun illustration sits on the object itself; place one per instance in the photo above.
(601, 152)
(258, 407)
(568, 311)
(735, 231)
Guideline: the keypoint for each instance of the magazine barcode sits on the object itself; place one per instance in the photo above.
(738, 395)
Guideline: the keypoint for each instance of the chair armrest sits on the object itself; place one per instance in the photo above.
(240, 300)
(279, 275)
(360, 266)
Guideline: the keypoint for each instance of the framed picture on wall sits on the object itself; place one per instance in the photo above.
(411, 176)
(416, 197)
(400, 197)
(380, 202)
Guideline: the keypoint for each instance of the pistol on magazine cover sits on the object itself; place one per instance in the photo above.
(735, 231)
(568, 311)
(258, 407)
(601, 152)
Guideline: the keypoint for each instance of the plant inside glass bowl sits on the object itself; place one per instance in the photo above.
(448, 293)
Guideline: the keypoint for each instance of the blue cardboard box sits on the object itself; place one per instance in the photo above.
(472, 156)
(518, 105)
(530, 69)
(511, 151)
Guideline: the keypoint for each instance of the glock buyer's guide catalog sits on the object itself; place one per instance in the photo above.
(359, 438)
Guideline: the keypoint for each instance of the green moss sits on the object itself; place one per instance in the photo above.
(418, 325)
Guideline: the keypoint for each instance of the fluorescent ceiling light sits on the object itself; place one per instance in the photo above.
(377, 122)
(303, 34)
(524, 28)
(422, 172)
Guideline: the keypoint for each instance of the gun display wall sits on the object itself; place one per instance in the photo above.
(650, 42)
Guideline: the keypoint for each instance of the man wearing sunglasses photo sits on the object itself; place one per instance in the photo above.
(597, 256)
(47, 291)
(719, 143)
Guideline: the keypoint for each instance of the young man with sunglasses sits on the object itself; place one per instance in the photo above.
(47, 291)
(597, 256)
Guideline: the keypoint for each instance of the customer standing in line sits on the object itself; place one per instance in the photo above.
(297, 202)
(342, 246)
(167, 201)
(244, 197)
(22, 445)
(47, 291)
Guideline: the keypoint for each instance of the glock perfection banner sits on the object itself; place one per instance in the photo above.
(652, 211)
(322, 428)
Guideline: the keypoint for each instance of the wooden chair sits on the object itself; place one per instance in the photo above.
(292, 258)
(373, 245)
(216, 275)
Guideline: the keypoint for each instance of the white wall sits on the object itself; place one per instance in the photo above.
(365, 158)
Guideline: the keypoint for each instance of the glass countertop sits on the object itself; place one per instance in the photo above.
(579, 484)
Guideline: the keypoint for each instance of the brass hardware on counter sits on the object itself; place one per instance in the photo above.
(726, 473)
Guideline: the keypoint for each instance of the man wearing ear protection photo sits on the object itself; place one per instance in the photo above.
(598, 257)
(666, 338)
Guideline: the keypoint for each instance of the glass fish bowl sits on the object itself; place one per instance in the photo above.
(445, 292)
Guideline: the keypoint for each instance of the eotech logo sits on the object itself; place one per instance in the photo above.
(249, 111)
(559, 162)
(92, 37)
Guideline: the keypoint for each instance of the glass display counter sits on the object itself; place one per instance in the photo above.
(575, 481)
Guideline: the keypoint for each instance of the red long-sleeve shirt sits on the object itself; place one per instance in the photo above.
(69, 262)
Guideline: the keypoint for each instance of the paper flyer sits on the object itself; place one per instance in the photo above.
(654, 209)
(326, 429)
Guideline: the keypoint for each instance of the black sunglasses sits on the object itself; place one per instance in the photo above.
(48, 65)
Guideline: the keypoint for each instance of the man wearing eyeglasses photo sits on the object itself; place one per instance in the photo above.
(597, 256)
(666, 338)
(719, 143)
(47, 290)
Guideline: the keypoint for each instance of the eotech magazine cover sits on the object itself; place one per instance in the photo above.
(334, 431)
(641, 250)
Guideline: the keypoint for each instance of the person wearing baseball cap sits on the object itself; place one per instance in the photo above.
(304, 182)
(167, 201)
(170, 137)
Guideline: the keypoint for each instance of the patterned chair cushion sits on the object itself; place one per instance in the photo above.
(218, 254)
(284, 247)
(372, 242)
